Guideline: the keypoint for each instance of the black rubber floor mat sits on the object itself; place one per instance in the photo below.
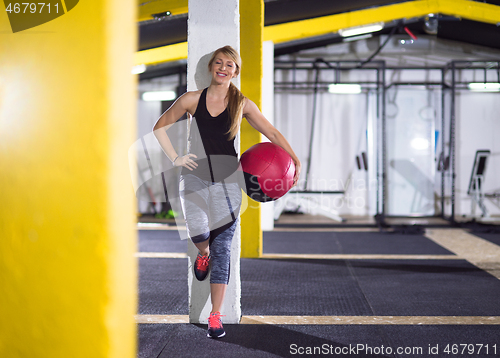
(161, 241)
(163, 286)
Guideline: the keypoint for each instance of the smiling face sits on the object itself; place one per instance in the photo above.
(223, 68)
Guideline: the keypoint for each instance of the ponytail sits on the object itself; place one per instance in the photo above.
(235, 103)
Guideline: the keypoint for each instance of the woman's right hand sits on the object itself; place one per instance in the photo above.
(186, 161)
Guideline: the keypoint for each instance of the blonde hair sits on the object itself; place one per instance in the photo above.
(235, 99)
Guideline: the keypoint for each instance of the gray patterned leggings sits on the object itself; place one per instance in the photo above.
(211, 211)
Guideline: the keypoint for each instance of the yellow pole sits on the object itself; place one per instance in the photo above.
(67, 231)
(251, 35)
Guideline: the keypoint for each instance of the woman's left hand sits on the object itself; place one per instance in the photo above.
(297, 172)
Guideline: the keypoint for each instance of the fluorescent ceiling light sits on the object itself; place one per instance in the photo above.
(159, 96)
(484, 87)
(343, 88)
(366, 29)
(420, 143)
(138, 69)
(356, 38)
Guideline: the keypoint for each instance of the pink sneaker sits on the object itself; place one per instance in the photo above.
(201, 267)
(215, 329)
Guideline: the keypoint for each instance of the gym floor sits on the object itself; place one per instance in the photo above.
(323, 290)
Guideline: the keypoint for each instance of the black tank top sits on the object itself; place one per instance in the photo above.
(217, 157)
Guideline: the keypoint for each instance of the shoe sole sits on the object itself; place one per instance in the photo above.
(215, 337)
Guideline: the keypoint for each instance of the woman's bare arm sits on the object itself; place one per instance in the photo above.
(185, 103)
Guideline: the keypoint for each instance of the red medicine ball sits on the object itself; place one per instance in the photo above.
(268, 170)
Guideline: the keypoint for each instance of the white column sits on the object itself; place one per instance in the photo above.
(267, 209)
(212, 24)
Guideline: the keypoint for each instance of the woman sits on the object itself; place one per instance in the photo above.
(208, 195)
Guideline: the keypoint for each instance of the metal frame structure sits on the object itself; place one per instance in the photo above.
(454, 67)
(447, 162)
(318, 65)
